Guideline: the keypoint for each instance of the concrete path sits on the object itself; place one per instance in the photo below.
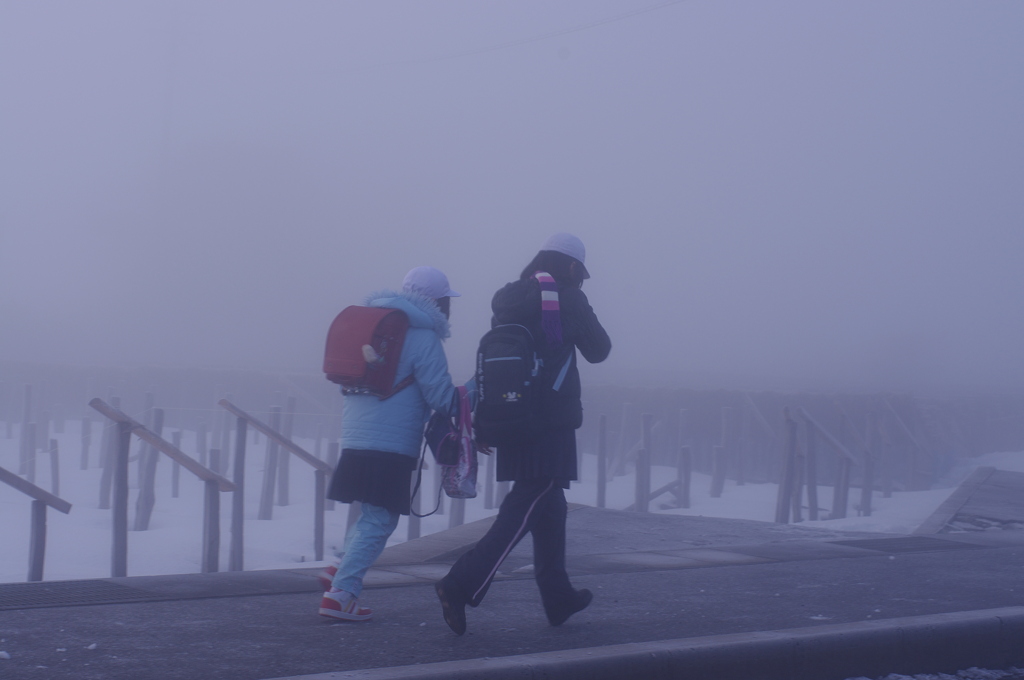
(667, 589)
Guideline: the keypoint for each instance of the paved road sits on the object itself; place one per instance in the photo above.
(655, 578)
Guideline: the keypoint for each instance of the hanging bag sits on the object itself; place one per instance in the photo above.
(458, 477)
(451, 443)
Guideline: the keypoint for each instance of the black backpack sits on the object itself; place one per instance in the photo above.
(508, 373)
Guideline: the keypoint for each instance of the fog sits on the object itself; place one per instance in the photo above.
(772, 195)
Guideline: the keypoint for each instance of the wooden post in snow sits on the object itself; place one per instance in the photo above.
(235, 556)
(176, 467)
(602, 460)
(333, 454)
(86, 442)
(108, 456)
(270, 468)
(26, 418)
(119, 491)
(457, 517)
(37, 541)
(147, 474)
(284, 461)
(643, 466)
(870, 454)
(28, 441)
(211, 527)
(54, 467)
(811, 464)
(784, 499)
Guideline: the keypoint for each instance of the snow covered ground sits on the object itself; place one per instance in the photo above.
(79, 544)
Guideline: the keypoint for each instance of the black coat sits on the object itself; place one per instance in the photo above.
(554, 453)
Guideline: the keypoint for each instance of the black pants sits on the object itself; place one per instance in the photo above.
(534, 506)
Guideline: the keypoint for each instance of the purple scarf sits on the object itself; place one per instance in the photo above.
(550, 316)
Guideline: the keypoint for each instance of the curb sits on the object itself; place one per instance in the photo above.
(938, 643)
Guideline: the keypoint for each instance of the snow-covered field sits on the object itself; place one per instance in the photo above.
(79, 544)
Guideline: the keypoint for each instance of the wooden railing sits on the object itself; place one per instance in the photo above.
(213, 482)
(40, 500)
(320, 471)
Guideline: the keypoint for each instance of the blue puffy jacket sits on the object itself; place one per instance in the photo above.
(396, 424)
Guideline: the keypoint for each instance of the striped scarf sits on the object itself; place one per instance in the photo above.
(550, 316)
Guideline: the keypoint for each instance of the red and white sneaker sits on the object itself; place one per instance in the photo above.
(343, 606)
(326, 577)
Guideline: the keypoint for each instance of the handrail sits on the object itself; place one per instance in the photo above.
(856, 433)
(828, 437)
(903, 425)
(176, 454)
(288, 444)
(34, 491)
(759, 417)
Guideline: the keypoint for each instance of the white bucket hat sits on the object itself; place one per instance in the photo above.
(428, 281)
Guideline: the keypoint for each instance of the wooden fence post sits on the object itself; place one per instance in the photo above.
(643, 466)
(26, 418)
(147, 473)
(43, 431)
(684, 473)
(798, 482)
(201, 443)
(621, 450)
(236, 553)
(602, 460)
(54, 467)
(37, 541)
(176, 467)
(458, 513)
(320, 490)
(718, 471)
(86, 442)
(783, 501)
(841, 494)
(284, 461)
(119, 492)
(723, 451)
(211, 527)
(333, 454)
(146, 453)
(225, 440)
(29, 454)
(885, 452)
(741, 442)
(868, 482)
(270, 467)
(108, 456)
(812, 472)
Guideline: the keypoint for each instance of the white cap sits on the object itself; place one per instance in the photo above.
(428, 281)
(570, 245)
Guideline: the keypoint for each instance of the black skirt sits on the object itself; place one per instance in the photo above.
(379, 478)
(552, 455)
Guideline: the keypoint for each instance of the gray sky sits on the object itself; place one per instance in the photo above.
(773, 194)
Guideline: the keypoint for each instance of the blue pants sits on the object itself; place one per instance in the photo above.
(363, 546)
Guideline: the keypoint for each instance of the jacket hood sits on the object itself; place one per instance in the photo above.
(422, 311)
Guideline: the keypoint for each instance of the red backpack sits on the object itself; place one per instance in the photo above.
(363, 348)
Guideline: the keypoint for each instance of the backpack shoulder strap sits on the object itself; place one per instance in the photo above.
(402, 384)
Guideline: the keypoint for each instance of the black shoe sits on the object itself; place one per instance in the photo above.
(453, 604)
(581, 598)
